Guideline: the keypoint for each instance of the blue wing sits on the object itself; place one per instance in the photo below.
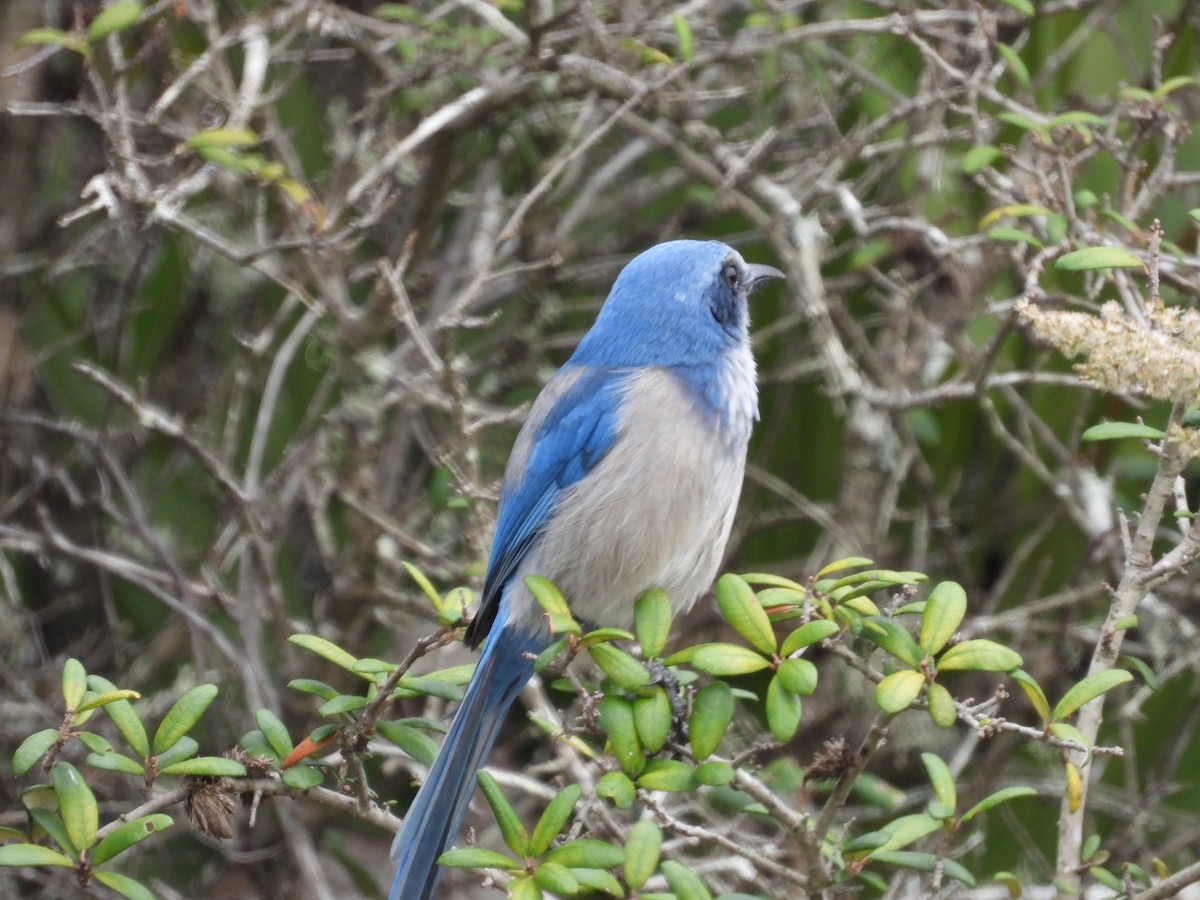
(565, 444)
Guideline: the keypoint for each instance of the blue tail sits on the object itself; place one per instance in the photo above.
(437, 812)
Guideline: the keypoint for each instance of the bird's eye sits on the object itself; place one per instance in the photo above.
(732, 275)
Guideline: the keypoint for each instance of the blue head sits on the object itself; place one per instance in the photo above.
(682, 303)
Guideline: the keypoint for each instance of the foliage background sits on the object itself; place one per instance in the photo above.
(239, 388)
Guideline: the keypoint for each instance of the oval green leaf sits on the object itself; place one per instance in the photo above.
(942, 781)
(894, 638)
(944, 612)
(617, 787)
(302, 778)
(76, 805)
(1114, 431)
(652, 622)
(897, 691)
(783, 709)
(625, 671)
(1089, 689)
(74, 683)
(728, 659)
(741, 609)
(808, 634)
(798, 676)
(32, 749)
(129, 834)
(712, 711)
(180, 719)
(124, 717)
(1033, 692)
(587, 853)
(214, 766)
(1001, 796)
(275, 731)
(477, 858)
(667, 775)
(685, 884)
(552, 820)
(1091, 258)
(941, 706)
(511, 829)
(32, 855)
(642, 851)
(115, 17)
(652, 718)
(979, 656)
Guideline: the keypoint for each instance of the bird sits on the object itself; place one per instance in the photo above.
(624, 477)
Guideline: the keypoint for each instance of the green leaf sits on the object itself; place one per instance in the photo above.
(684, 883)
(741, 609)
(1033, 691)
(714, 773)
(587, 853)
(978, 157)
(1113, 431)
(907, 830)
(894, 638)
(558, 613)
(180, 719)
(944, 612)
(808, 634)
(76, 805)
(941, 706)
(511, 829)
(124, 885)
(115, 17)
(1144, 670)
(1022, 6)
(32, 749)
(302, 778)
(214, 766)
(1065, 732)
(897, 691)
(555, 878)
(979, 656)
(617, 787)
(1015, 64)
(798, 676)
(1091, 258)
(783, 709)
(314, 687)
(551, 823)
(667, 775)
(74, 683)
(1016, 235)
(941, 779)
(477, 858)
(652, 622)
(652, 717)
(52, 824)
(642, 851)
(345, 703)
(712, 711)
(413, 741)
(113, 761)
(1194, 214)
(32, 855)
(1001, 796)
(221, 137)
(54, 37)
(840, 565)
(108, 697)
(727, 659)
(1014, 210)
(127, 835)
(185, 748)
(683, 37)
(325, 649)
(124, 717)
(275, 732)
(625, 671)
(1089, 689)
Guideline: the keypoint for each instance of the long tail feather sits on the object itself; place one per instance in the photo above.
(436, 814)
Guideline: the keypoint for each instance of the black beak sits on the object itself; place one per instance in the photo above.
(761, 275)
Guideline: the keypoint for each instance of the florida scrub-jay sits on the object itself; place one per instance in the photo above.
(625, 477)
